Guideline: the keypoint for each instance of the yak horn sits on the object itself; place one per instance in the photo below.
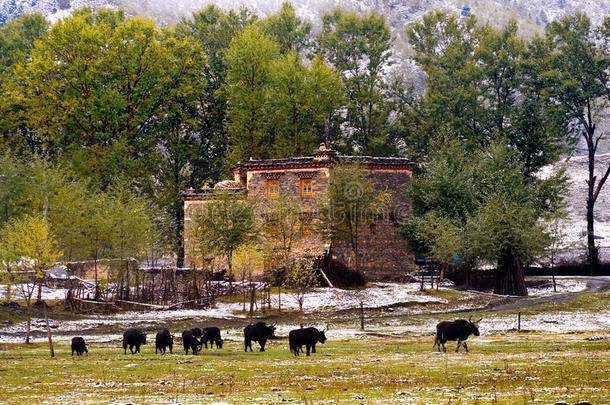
(470, 319)
(479, 320)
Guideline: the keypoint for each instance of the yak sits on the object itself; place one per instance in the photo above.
(459, 330)
(307, 337)
(211, 335)
(79, 346)
(133, 337)
(259, 332)
(162, 340)
(190, 340)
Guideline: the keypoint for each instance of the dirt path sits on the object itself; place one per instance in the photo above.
(596, 284)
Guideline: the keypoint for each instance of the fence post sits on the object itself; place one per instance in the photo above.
(519, 322)
(361, 315)
(46, 318)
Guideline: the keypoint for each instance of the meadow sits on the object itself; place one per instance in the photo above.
(515, 368)
(562, 354)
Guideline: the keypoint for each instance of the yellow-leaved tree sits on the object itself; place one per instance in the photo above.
(31, 240)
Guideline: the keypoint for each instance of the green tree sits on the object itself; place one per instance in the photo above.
(300, 99)
(300, 279)
(97, 232)
(290, 32)
(359, 47)
(281, 231)
(94, 88)
(353, 202)
(131, 221)
(17, 40)
(223, 225)
(482, 207)
(30, 238)
(213, 30)
(249, 65)
(579, 83)
(485, 84)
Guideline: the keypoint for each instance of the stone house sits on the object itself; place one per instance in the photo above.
(382, 250)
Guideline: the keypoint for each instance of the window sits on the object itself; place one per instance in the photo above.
(273, 188)
(306, 187)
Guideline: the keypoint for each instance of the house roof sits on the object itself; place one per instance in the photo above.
(323, 158)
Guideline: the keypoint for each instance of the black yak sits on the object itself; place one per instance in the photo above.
(458, 330)
(133, 337)
(307, 337)
(190, 340)
(162, 340)
(259, 332)
(211, 335)
(79, 346)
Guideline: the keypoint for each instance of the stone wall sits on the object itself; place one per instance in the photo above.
(382, 250)
(289, 181)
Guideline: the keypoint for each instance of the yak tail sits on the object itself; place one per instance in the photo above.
(435, 342)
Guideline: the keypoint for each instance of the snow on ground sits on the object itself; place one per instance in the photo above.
(557, 322)
(324, 300)
(47, 293)
(564, 285)
(383, 294)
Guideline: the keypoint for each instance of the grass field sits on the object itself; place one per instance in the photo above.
(508, 369)
(393, 361)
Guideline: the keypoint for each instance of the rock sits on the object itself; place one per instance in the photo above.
(63, 4)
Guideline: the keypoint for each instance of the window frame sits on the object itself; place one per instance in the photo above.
(302, 182)
(270, 184)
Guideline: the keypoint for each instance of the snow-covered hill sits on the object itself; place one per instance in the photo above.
(532, 15)
(575, 225)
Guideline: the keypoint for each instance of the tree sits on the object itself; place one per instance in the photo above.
(485, 84)
(248, 258)
(579, 82)
(224, 224)
(17, 40)
(300, 100)
(281, 231)
(353, 202)
(30, 238)
(290, 32)
(94, 88)
(131, 221)
(194, 133)
(249, 65)
(97, 232)
(359, 47)
(482, 207)
(300, 279)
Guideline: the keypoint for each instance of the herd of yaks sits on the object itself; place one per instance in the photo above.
(195, 339)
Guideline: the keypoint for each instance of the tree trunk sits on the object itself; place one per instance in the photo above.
(179, 227)
(592, 251)
(46, 318)
(97, 285)
(252, 298)
(361, 315)
(509, 276)
(301, 314)
(29, 322)
(39, 297)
